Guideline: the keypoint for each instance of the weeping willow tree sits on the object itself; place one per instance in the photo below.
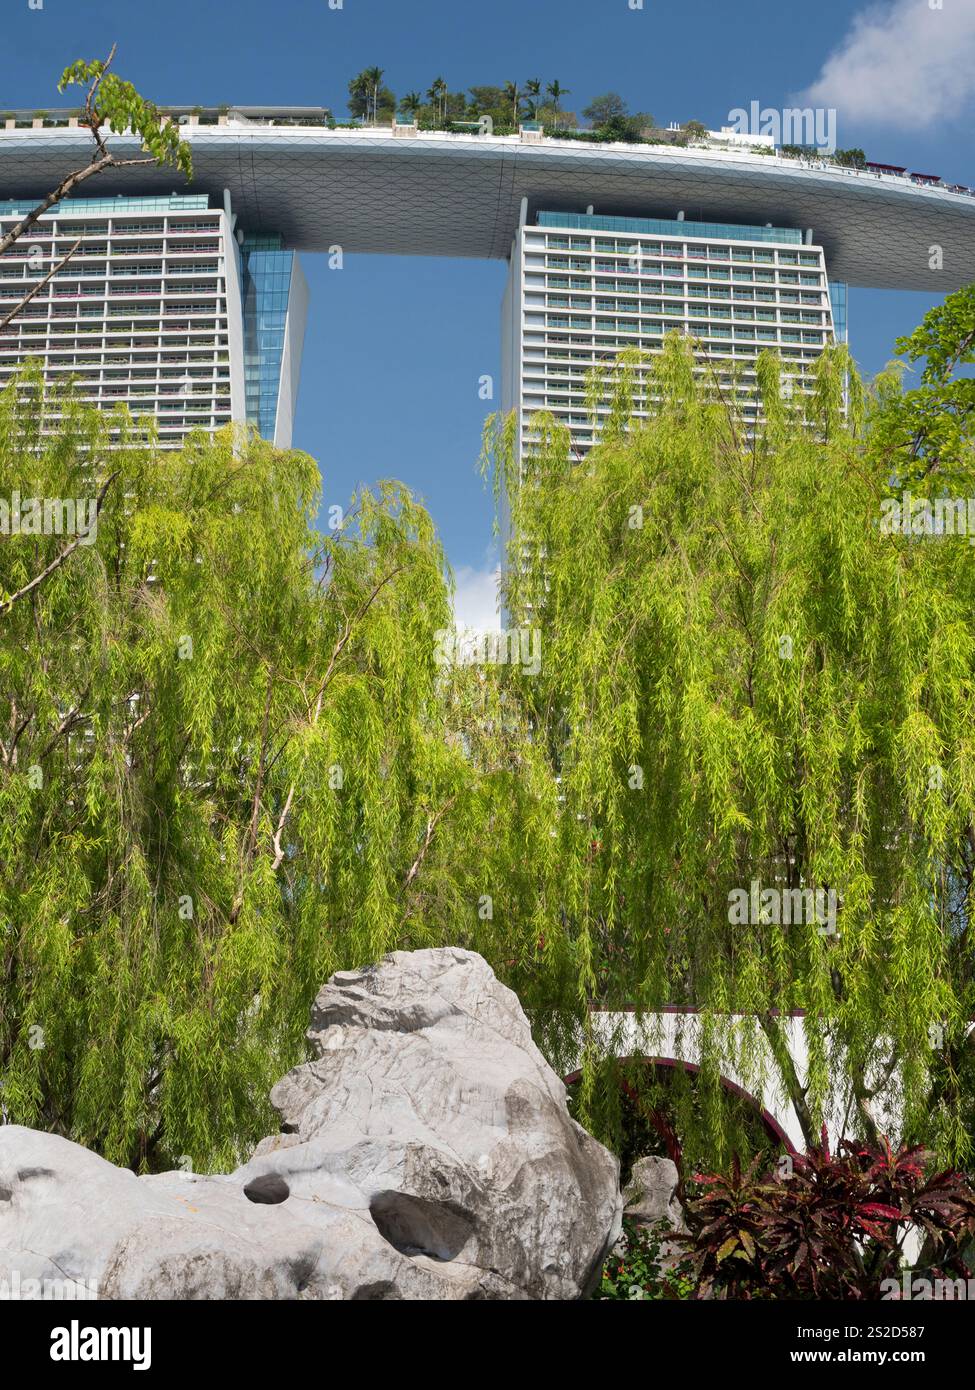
(236, 755)
(748, 678)
(230, 764)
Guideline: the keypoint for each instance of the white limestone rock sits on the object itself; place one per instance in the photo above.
(651, 1194)
(426, 1152)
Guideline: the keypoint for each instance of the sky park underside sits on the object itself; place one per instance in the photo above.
(745, 250)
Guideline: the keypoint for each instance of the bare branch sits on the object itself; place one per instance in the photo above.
(278, 851)
(92, 120)
(102, 158)
(60, 558)
(432, 822)
(266, 764)
(74, 716)
(39, 286)
(350, 624)
(69, 182)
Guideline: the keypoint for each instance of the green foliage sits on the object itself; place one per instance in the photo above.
(847, 159)
(368, 98)
(605, 108)
(851, 159)
(638, 1271)
(117, 106)
(229, 765)
(487, 98)
(232, 762)
(744, 677)
(639, 1109)
(556, 91)
(627, 129)
(927, 430)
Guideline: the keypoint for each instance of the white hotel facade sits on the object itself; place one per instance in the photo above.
(583, 287)
(165, 306)
(190, 307)
(170, 309)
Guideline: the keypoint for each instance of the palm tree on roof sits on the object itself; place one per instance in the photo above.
(374, 77)
(556, 91)
(437, 95)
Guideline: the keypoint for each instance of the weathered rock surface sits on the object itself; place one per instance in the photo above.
(426, 1152)
(651, 1194)
(650, 1199)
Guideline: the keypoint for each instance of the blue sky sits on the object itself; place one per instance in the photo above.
(396, 346)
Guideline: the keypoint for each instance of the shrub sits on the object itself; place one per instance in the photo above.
(635, 1272)
(827, 1226)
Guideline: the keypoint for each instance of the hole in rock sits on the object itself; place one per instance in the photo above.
(418, 1226)
(268, 1189)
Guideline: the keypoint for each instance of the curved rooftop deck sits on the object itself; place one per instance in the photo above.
(440, 194)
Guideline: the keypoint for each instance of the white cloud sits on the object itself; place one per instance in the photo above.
(476, 599)
(902, 65)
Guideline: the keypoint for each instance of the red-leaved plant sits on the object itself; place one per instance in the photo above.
(827, 1226)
